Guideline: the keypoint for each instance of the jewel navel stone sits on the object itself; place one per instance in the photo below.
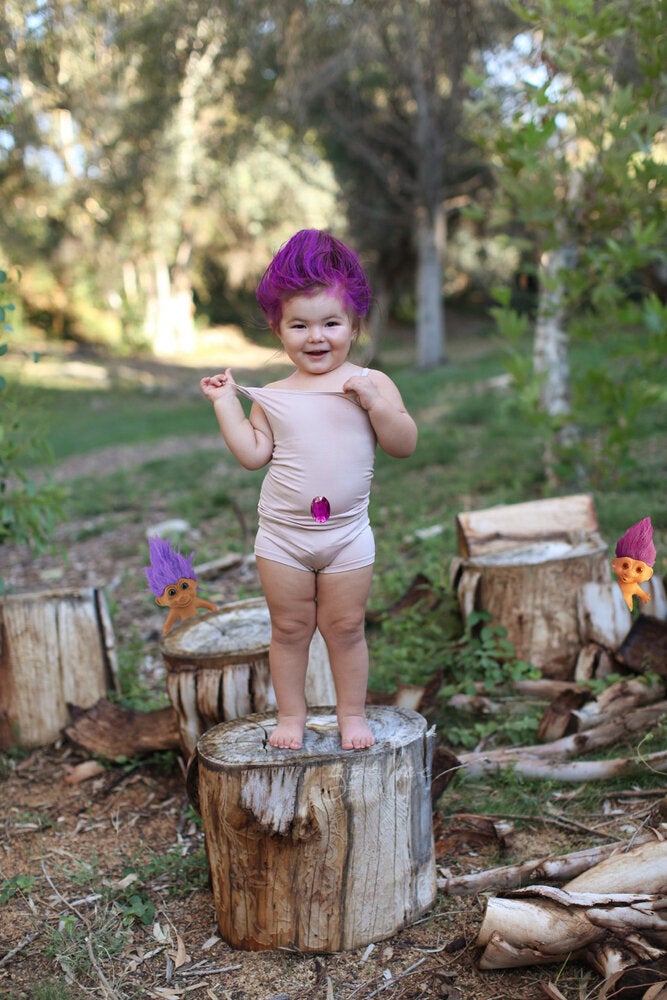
(320, 508)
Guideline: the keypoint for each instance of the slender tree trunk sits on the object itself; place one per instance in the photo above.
(377, 320)
(550, 351)
(552, 341)
(430, 265)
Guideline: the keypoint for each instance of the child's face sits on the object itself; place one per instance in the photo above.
(316, 331)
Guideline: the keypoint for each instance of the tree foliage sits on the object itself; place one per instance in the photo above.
(580, 154)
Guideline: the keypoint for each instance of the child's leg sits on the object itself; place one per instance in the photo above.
(290, 596)
(341, 612)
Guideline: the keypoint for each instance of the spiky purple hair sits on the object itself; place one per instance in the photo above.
(167, 565)
(637, 542)
(313, 259)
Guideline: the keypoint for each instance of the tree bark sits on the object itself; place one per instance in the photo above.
(56, 648)
(520, 525)
(108, 730)
(318, 849)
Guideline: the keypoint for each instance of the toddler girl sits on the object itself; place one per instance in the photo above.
(318, 428)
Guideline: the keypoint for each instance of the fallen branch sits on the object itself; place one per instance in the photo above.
(6, 958)
(522, 762)
(559, 868)
(531, 760)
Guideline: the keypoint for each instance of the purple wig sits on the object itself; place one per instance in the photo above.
(310, 260)
(637, 542)
(167, 565)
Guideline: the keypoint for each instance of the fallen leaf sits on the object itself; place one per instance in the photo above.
(127, 881)
(180, 955)
(164, 937)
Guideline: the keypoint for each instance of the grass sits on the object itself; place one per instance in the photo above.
(476, 449)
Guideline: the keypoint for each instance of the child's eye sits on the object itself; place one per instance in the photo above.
(639, 569)
(185, 586)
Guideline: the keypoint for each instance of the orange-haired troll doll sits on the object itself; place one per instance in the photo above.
(635, 555)
(172, 579)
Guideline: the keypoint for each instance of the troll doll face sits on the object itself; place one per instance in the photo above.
(630, 570)
(178, 595)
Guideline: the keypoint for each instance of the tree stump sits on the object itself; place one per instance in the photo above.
(533, 594)
(526, 564)
(218, 668)
(56, 649)
(318, 849)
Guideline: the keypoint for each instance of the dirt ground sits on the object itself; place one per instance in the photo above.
(103, 887)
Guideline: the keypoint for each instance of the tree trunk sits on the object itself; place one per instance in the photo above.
(56, 648)
(430, 268)
(318, 849)
(218, 668)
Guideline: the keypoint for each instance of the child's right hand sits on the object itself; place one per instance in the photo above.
(216, 386)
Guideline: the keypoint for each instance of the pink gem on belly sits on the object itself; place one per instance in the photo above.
(320, 508)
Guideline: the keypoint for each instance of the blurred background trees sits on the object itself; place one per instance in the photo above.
(157, 154)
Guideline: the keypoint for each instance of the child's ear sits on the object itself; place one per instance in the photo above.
(162, 601)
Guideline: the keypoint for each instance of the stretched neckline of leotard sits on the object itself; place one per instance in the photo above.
(304, 392)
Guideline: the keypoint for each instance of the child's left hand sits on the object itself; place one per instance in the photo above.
(364, 388)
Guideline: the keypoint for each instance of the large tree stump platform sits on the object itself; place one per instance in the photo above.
(218, 668)
(56, 648)
(318, 849)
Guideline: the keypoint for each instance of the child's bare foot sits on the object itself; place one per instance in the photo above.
(288, 734)
(355, 733)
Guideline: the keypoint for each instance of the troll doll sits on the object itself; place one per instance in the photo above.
(172, 579)
(635, 555)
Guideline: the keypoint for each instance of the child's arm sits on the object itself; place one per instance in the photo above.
(394, 428)
(249, 439)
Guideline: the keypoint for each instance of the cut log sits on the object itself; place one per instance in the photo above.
(571, 713)
(218, 668)
(56, 648)
(108, 730)
(318, 849)
(557, 720)
(500, 529)
(621, 898)
(532, 593)
(645, 647)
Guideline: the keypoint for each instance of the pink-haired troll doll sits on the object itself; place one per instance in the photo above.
(635, 556)
(172, 579)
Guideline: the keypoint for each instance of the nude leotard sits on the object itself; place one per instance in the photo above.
(324, 447)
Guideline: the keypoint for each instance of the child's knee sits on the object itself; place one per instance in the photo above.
(293, 632)
(347, 629)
